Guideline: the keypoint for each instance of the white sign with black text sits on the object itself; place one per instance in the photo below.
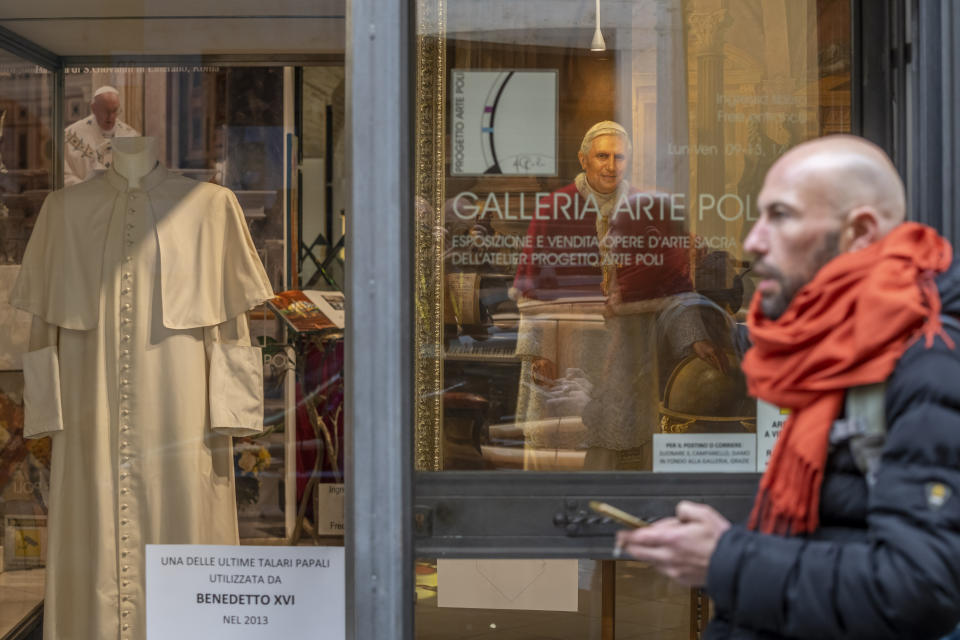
(704, 452)
(770, 420)
(219, 591)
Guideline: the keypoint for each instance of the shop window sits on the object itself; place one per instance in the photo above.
(584, 308)
(147, 457)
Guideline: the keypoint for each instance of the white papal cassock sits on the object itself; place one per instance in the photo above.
(140, 369)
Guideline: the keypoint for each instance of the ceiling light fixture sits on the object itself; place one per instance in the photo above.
(597, 44)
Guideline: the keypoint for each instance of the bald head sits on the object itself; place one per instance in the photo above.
(844, 173)
(822, 198)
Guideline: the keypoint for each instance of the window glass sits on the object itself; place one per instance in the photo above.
(557, 599)
(584, 184)
(26, 151)
(131, 412)
(26, 177)
(323, 205)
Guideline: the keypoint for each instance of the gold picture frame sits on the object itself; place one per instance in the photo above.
(429, 165)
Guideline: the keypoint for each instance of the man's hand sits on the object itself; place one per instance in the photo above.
(709, 352)
(680, 547)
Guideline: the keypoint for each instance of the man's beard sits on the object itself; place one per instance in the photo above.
(774, 306)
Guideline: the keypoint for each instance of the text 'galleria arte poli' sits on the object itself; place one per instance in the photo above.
(541, 205)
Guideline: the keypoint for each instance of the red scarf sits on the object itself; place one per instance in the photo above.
(845, 328)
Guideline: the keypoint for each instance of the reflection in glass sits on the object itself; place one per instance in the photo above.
(593, 301)
(26, 177)
(26, 151)
(223, 125)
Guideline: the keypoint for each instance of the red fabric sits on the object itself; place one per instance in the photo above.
(661, 263)
(324, 373)
(570, 230)
(847, 327)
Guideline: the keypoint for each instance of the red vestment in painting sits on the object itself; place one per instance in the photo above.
(567, 250)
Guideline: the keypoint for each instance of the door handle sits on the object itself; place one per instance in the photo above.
(576, 519)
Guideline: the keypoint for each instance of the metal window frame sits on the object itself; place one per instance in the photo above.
(379, 336)
(913, 56)
(932, 122)
(28, 50)
(950, 125)
(32, 52)
(218, 59)
(521, 514)
(870, 70)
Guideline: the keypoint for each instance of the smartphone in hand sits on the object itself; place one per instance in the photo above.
(617, 515)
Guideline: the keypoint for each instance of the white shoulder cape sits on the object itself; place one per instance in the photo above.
(209, 268)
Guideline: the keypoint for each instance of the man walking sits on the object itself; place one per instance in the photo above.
(855, 533)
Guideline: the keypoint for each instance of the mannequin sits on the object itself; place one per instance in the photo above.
(134, 158)
(141, 369)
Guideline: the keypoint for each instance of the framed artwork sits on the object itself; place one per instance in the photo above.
(503, 122)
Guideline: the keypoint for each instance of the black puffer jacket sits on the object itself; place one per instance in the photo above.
(883, 565)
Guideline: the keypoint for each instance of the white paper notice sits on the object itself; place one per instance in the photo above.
(213, 591)
(329, 514)
(704, 452)
(544, 585)
(770, 419)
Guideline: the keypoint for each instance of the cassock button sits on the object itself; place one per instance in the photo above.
(124, 523)
(123, 475)
(123, 507)
(124, 492)
(125, 569)
(124, 539)
(125, 583)
(123, 554)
